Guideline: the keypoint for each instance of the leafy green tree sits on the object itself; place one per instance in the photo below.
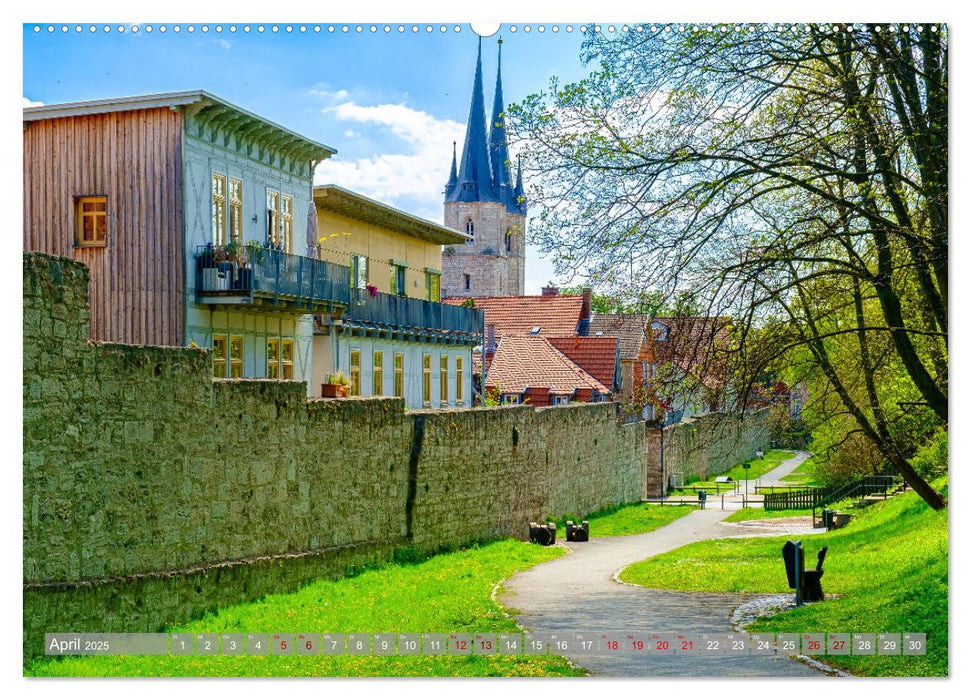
(792, 178)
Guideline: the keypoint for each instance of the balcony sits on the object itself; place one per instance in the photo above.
(406, 318)
(257, 277)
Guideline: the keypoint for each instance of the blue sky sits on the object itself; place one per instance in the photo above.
(390, 103)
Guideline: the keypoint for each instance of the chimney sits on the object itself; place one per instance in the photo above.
(490, 339)
(550, 290)
(585, 310)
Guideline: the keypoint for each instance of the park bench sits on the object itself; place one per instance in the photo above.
(577, 534)
(544, 535)
(807, 584)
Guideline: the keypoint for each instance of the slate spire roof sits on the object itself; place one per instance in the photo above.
(483, 175)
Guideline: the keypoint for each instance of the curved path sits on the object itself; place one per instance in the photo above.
(578, 593)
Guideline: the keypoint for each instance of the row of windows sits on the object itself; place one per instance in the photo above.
(227, 214)
(396, 283)
(227, 357)
(377, 369)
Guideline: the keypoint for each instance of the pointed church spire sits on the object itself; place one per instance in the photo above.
(474, 177)
(498, 149)
(453, 177)
(519, 193)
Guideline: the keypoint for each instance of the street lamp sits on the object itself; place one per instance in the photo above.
(746, 467)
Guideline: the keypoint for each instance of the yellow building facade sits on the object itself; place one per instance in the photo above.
(395, 338)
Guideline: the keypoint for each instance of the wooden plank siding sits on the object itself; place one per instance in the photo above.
(134, 159)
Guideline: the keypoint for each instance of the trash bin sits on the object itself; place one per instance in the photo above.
(702, 498)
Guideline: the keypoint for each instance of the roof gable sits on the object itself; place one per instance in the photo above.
(531, 361)
(555, 316)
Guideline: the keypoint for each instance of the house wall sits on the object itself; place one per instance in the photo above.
(342, 236)
(494, 272)
(413, 353)
(203, 157)
(137, 291)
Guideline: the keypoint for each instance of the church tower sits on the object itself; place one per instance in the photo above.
(482, 201)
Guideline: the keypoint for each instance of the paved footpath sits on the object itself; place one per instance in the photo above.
(774, 477)
(578, 593)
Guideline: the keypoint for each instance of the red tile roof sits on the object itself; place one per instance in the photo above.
(553, 315)
(595, 355)
(531, 361)
(630, 328)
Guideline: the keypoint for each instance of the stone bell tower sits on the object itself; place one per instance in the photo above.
(482, 201)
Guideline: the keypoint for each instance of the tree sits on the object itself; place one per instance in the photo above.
(793, 178)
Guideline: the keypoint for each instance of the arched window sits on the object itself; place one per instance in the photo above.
(470, 230)
(508, 240)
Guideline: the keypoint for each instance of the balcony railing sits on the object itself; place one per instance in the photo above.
(405, 314)
(256, 275)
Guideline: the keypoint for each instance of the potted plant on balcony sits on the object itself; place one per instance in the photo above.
(335, 386)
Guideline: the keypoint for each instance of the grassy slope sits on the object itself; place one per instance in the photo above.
(447, 593)
(889, 567)
(802, 475)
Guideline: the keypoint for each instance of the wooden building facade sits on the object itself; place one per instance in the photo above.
(119, 176)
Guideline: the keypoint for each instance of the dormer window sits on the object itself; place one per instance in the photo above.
(535, 330)
(659, 330)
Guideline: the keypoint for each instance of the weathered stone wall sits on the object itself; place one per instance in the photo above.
(153, 493)
(703, 446)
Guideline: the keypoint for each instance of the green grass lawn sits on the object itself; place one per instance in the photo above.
(758, 467)
(888, 566)
(626, 520)
(446, 593)
(758, 514)
(802, 476)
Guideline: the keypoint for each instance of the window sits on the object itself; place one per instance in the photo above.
(399, 375)
(443, 377)
(219, 348)
(660, 330)
(92, 221)
(426, 364)
(279, 220)
(397, 279)
(272, 216)
(279, 358)
(508, 240)
(468, 281)
(235, 210)
(459, 388)
(219, 209)
(355, 372)
(235, 357)
(286, 223)
(286, 358)
(273, 358)
(470, 230)
(433, 286)
(512, 398)
(560, 400)
(378, 372)
(359, 271)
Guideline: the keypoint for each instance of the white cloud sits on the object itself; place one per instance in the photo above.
(415, 172)
(225, 44)
(351, 134)
(32, 103)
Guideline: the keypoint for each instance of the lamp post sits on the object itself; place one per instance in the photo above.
(746, 467)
